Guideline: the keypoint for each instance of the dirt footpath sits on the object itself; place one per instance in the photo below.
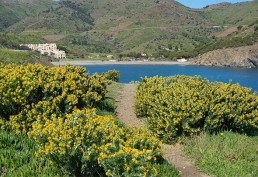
(125, 113)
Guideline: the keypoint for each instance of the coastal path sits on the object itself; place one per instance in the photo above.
(172, 153)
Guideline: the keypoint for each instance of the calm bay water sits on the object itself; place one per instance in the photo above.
(245, 77)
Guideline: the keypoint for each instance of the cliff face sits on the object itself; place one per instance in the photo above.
(232, 57)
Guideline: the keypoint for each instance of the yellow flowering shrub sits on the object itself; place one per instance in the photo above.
(112, 75)
(53, 106)
(183, 105)
(85, 143)
(34, 92)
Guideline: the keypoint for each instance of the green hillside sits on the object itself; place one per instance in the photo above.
(65, 16)
(142, 26)
(160, 28)
(23, 57)
(13, 12)
(7, 18)
(233, 14)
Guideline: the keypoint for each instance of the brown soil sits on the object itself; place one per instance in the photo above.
(227, 32)
(125, 109)
(172, 153)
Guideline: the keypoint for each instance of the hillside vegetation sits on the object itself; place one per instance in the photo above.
(233, 14)
(161, 28)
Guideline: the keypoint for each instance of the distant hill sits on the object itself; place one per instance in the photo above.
(7, 17)
(146, 25)
(160, 28)
(217, 6)
(63, 16)
(244, 13)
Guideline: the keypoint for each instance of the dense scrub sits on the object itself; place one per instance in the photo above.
(181, 106)
(87, 144)
(213, 44)
(55, 107)
(112, 75)
(33, 91)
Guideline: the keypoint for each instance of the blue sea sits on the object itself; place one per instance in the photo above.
(128, 73)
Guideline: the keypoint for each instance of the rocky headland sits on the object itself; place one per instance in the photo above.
(246, 57)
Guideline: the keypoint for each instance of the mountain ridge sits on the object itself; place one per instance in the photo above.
(217, 6)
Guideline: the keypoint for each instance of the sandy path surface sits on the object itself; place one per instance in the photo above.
(125, 113)
(125, 106)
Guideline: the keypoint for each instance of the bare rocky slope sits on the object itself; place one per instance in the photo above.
(231, 57)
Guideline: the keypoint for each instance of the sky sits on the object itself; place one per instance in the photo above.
(203, 3)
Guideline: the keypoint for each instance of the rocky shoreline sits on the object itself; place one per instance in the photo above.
(245, 57)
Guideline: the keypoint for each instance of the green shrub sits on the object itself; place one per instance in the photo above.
(54, 107)
(256, 28)
(182, 105)
(34, 92)
(107, 105)
(86, 144)
(112, 75)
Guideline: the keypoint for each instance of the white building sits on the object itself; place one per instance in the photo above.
(49, 49)
(58, 54)
(181, 60)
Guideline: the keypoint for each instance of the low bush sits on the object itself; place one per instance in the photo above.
(84, 143)
(183, 106)
(32, 92)
(256, 28)
(112, 75)
(54, 106)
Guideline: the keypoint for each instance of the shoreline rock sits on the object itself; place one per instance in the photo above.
(244, 57)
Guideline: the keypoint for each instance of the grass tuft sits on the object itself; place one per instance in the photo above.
(225, 154)
(17, 157)
(165, 169)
